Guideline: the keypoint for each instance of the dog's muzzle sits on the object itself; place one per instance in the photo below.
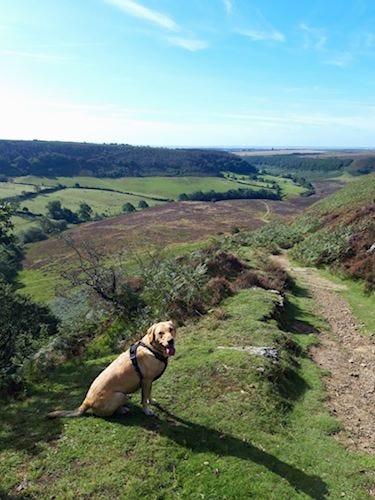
(171, 351)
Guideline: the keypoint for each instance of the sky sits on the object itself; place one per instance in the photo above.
(228, 73)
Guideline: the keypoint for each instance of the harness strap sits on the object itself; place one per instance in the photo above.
(133, 359)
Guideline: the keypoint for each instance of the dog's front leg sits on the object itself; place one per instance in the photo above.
(146, 397)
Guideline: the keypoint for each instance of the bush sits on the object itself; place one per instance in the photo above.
(51, 226)
(32, 235)
(218, 289)
(24, 327)
(172, 287)
(222, 263)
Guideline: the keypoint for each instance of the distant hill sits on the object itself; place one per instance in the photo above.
(47, 158)
(312, 166)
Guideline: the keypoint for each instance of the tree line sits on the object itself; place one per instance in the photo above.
(232, 194)
(49, 158)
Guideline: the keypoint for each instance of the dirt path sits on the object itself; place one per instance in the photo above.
(348, 356)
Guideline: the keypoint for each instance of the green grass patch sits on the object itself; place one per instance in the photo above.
(39, 285)
(8, 189)
(289, 189)
(102, 202)
(164, 187)
(229, 425)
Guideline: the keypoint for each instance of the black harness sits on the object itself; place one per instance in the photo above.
(133, 358)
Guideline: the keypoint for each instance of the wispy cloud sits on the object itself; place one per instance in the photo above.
(228, 5)
(186, 40)
(260, 35)
(191, 44)
(261, 29)
(135, 9)
(341, 60)
(36, 56)
(315, 38)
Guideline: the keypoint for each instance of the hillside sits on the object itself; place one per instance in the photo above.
(312, 165)
(340, 230)
(50, 159)
(241, 399)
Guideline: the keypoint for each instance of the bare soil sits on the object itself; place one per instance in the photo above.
(348, 356)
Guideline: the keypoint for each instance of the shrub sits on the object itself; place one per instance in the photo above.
(247, 279)
(222, 263)
(32, 235)
(218, 288)
(172, 287)
(24, 327)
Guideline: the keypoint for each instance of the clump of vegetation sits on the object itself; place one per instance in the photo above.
(127, 208)
(32, 235)
(24, 326)
(231, 194)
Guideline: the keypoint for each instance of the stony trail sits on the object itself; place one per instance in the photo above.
(347, 355)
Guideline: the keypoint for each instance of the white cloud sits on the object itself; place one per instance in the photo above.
(36, 56)
(137, 10)
(341, 60)
(191, 44)
(314, 37)
(228, 5)
(260, 35)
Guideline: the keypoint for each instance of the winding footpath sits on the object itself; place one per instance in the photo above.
(347, 355)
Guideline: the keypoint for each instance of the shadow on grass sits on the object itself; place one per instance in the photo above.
(290, 321)
(23, 422)
(199, 438)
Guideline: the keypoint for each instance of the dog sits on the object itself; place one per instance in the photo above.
(139, 366)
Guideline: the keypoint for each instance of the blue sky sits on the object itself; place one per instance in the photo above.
(189, 72)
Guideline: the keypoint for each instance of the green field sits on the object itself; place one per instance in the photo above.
(230, 425)
(288, 187)
(164, 187)
(102, 202)
(8, 189)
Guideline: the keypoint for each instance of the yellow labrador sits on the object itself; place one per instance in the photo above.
(139, 366)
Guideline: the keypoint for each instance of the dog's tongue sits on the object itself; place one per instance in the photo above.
(171, 351)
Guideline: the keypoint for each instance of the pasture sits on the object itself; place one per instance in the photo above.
(163, 187)
(9, 189)
(105, 203)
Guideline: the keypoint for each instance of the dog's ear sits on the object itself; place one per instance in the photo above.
(151, 333)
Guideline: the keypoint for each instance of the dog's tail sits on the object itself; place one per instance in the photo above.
(70, 413)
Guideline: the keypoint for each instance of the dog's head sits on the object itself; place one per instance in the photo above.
(162, 335)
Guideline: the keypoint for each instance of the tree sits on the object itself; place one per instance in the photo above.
(50, 226)
(84, 212)
(33, 234)
(127, 208)
(143, 204)
(57, 212)
(6, 224)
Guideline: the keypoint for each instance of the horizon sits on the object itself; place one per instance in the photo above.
(214, 75)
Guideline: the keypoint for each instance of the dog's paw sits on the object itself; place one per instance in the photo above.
(152, 401)
(123, 410)
(148, 412)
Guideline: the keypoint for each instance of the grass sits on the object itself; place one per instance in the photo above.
(39, 284)
(164, 187)
(223, 429)
(354, 194)
(102, 202)
(289, 188)
(8, 189)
